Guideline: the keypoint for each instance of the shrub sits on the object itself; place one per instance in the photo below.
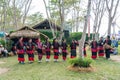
(9, 45)
(2, 42)
(12, 31)
(87, 38)
(68, 40)
(47, 33)
(76, 35)
(85, 62)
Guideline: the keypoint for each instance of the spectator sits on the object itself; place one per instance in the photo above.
(115, 46)
(3, 51)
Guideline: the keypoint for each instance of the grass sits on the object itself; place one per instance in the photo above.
(105, 70)
(119, 49)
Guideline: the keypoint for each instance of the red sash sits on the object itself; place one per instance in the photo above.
(100, 48)
(94, 50)
(20, 51)
(56, 50)
(64, 51)
(48, 49)
(30, 52)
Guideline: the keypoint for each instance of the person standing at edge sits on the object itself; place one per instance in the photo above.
(73, 46)
(56, 49)
(47, 49)
(115, 45)
(100, 47)
(64, 49)
(108, 48)
(94, 46)
(20, 50)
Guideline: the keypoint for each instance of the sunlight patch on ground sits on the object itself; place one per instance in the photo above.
(3, 70)
(1, 62)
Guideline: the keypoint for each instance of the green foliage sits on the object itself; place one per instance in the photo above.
(76, 35)
(34, 18)
(118, 42)
(9, 45)
(2, 41)
(85, 62)
(12, 31)
(87, 38)
(69, 40)
(56, 5)
(47, 33)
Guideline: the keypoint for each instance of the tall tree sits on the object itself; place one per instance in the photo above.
(34, 19)
(82, 40)
(26, 9)
(53, 33)
(98, 8)
(62, 20)
(59, 8)
(15, 14)
(112, 6)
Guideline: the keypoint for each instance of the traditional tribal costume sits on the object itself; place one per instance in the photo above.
(94, 49)
(47, 49)
(73, 49)
(30, 51)
(100, 48)
(56, 50)
(107, 51)
(39, 50)
(64, 50)
(20, 51)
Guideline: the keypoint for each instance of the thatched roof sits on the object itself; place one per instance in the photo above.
(26, 32)
(45, 25)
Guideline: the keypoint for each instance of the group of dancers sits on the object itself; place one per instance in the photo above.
(30, 47)
(98, 47)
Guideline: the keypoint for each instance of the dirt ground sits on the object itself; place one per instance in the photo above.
(115, 58)
(2, 62)
(3, 70)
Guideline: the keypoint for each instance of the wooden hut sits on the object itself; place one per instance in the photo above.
(45, 25)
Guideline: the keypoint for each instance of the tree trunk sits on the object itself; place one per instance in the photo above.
(98, 7)
(111, 12)
(53, 33)
(81, 42)
(77, 22)
(109, 26)
(27, 7)
(15, 20)
(4, 24)
(61, 10)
